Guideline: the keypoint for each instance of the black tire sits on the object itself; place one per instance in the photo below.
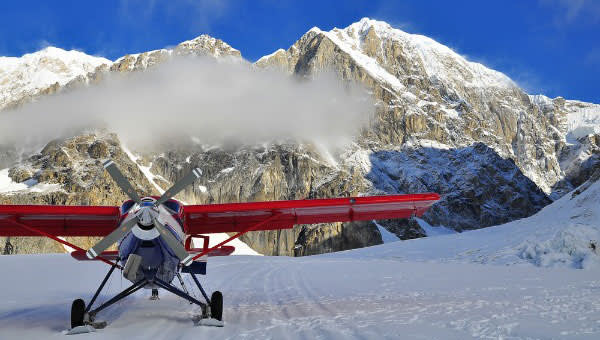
(77, 313)
(216, 306)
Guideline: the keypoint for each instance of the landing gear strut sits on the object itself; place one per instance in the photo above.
(82, 315)
(154, 294)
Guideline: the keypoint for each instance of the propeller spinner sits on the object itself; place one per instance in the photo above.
(146, 215)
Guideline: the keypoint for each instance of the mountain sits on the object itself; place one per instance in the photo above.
(52, 69)
(429, 92)
(203, 45)
(441, 123)
(42, 72)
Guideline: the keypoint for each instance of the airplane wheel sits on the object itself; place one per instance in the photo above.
(216, 305)
(77, 313)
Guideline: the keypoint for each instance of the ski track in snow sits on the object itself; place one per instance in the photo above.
(317, 297)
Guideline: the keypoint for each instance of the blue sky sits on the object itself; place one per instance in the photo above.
(547, 46)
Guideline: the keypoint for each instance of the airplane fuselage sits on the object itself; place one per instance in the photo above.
(157, 258)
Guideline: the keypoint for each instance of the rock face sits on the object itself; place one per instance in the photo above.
(259, 173)
(478, 187)
(442, 124)
(203, 45)
(425, 91)
(318, 239)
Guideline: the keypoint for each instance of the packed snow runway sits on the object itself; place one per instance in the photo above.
(321, 297)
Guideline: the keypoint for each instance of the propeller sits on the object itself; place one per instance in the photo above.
(146, 215)
(121, 181)
(173, 243)
(111, 238)
(178, 186)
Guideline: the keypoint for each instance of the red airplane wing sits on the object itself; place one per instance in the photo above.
(58, 220)
(239, 217)
(214, 218)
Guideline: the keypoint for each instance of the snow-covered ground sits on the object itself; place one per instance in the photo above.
(315, 297)
(515, 281)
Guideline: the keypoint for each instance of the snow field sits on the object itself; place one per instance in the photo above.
(316, 297)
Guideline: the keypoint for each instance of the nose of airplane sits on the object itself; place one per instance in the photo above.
(146, 216)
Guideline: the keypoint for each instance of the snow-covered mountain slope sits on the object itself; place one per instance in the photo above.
(33, 73)
(438, 60)
(427, 91)
(367, 41)
(565, 233)
(579, 148)
(478, 187)
(49, 70)
(583, 119)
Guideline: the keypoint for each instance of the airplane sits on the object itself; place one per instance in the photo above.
(154, 235)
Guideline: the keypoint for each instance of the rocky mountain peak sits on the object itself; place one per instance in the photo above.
(440, 62)
(204, 45)
(377, 44)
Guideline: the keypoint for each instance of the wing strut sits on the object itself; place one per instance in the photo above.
(55, 238)
(250, 228)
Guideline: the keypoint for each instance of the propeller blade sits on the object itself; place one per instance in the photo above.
(180, 185)
(122, 182)
(111, 238)
(173, 243)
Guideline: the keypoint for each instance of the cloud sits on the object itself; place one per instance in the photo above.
(213, 102)
(574, 11)
(532, 83)
(522, 75)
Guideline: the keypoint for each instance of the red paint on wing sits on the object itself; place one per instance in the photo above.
(58, 220)
(215, 218)
(236, 217)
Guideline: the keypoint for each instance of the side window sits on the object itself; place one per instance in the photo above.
(126, 207)
(172, 205)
